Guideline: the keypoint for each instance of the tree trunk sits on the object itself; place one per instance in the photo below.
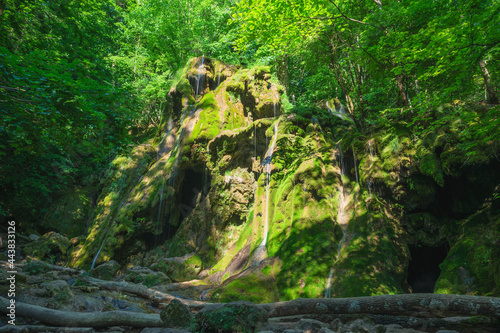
(82, 319)
(490, 88)
(140, 290)
(415, 305)
(401, 87)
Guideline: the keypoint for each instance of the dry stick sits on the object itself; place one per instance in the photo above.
(82, 319)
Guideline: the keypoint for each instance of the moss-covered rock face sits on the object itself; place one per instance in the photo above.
(176, 314)
(275, 204)
(233, 317)
(472, 265)
(180, 268)
(106, 271)
(51, 246)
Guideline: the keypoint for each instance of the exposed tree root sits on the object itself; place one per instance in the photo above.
(82, 319)
(140, 290)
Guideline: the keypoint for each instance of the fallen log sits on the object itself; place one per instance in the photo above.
(44, 329)
(82, 319)
(51, 266)
(141, 291)
(415, 305)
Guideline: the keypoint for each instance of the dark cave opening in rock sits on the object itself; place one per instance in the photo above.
(423, 270)
(194, 188)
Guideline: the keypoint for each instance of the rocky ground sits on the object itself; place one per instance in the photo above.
(106, 289)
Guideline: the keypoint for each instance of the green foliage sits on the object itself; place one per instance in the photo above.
(62, 111)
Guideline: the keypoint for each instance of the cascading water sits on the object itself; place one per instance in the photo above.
(370, 183)
(255, 140)
(260, 251)
(200, 75)
(117, 211)
(218, 76)
(340, 112)
(163, 146)
(164, 212)
(328, 291)
(355, 165)
(342, 219)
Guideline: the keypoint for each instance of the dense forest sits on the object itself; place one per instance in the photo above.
(266, 150)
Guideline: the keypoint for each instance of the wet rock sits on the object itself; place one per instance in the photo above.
(33, 237)
(325, 330)
(393, 328)
(146, 276)
(364, 325)
(176, 314)
(180, 268)
(106, 271)
(311, 325)
(336, 325)
(36, 267)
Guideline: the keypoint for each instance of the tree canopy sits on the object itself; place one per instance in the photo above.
(77, 76)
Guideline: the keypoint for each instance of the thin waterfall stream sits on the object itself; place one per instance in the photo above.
(117, 211)
(261, 249)
(342, 219)
(200, 75)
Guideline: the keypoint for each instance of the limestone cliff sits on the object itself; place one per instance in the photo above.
(265, 202)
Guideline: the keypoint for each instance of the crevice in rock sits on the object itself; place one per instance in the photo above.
(423, 270)
(195, 186)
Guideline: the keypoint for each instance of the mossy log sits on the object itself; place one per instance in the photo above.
(82, 319)
(416, 305)
(141, 291)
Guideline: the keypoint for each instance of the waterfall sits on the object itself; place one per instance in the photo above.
(200, 75)
(339, 113)
(328, 291)
(342, 218)
(293, 201)
(255, 139)
(355, 165)
(218, 76)
(269, 157)
(163, 144)
(166, 211)
(117, 211)
(260, 251)
(369, 182)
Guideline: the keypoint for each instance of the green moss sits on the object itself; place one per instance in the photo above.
(176, 314)
(430, 165)
(255, 288)
(180, 270)
(207, 127)
(232, 317)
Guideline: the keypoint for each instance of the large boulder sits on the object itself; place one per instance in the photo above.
(176, 314)
(232, 317)
(182, 268)
(106, 271)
